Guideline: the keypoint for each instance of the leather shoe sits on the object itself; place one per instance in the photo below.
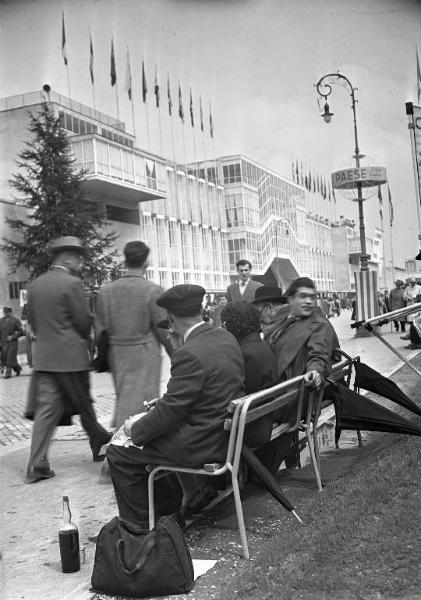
(96, 446)
(34, 475)
(413, 346)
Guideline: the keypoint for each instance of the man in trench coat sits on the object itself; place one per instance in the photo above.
(186, 427)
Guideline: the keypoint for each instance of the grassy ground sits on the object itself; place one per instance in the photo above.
(364, 541)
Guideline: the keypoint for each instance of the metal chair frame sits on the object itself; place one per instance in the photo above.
(246, 410)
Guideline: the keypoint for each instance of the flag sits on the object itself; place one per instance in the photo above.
(63, 41)
(144, 82)
(156, 87)
(169, 95)
(210, 121)
(91, 58)
(390, 207)
(418, 78)
(128, 82)
(201, 114)
(380, 197)
(180, 104)
(113, 72)
(191, 110)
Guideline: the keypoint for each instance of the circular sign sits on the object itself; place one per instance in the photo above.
(348, 179)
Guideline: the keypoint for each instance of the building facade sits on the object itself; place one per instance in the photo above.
(198, 219)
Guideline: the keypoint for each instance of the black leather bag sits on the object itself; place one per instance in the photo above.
(135, 562)
(100, 362)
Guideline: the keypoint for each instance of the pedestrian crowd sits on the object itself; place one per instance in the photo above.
(254, 337)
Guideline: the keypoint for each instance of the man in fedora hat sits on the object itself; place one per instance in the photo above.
(186, 427)
(58, 313)
(246, 287)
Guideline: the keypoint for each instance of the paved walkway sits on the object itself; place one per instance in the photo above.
(31, 515)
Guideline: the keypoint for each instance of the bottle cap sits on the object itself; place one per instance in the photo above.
(65, 498)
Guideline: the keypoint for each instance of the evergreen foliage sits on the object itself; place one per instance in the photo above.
(49, 187)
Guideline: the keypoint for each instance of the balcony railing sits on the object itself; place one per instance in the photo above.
(123, 174)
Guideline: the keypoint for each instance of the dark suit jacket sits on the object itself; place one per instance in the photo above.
(260, 362)
(58, 313)
(233, 292)
(186, 425)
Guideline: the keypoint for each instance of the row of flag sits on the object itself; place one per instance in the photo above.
(380, 198)
(312, 182)
(128, 84)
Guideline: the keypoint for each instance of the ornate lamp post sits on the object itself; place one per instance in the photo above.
(324, 88)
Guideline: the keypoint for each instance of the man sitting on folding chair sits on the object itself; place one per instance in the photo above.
(186, 427)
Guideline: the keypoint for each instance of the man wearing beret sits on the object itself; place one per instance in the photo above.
(186, 425)
(59, 316)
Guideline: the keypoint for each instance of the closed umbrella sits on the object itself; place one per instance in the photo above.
(372, 381)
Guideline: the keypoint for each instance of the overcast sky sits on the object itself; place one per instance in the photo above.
(257, 62)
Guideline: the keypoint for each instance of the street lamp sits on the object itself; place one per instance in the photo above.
(324, 88)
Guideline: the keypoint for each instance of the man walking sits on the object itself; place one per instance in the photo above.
(128, 312)
(58, 313)
(245, 288)
(186, 427)
(396, 302)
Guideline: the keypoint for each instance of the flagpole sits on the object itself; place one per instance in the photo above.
(91, 66)
(68, 81)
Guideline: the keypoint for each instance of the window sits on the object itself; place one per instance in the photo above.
(232, 173)
(15, 287)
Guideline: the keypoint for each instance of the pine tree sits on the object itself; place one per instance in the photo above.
(49, 187)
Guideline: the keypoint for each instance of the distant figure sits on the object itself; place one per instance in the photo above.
(10, 331)
(245, 288)
(396, 302)
(216, 313)
(410, 294)
(128, 312)
(58, 312)
(386, 298)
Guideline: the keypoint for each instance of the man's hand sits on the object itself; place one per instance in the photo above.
(313, 379)
(127, 427)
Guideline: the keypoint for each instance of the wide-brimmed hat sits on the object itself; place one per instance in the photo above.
(67, 242)
(268, 293)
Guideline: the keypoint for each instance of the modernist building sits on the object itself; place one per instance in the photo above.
(180, 216)
(198, 220)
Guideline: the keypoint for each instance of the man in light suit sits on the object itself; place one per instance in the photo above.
(58, 313)
(186, 427)
(245, 289)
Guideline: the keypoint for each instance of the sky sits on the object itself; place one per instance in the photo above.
(256, 62)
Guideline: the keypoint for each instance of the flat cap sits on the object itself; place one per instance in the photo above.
(67, 242)
(183, 297)
(269, 293)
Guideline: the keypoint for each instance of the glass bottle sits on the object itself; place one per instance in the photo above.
(68, 537)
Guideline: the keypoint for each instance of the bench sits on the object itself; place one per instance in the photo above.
(249, 409)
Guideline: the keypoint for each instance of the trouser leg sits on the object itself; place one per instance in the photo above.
(396, 324)
(403, 325)
(49, 410)
(130, 481)
(82, 402)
